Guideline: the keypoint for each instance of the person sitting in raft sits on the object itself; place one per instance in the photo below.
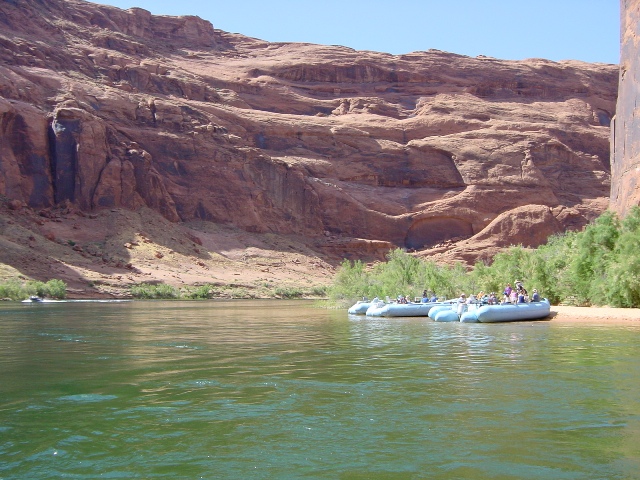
(425, 297)
(535, 297)
(493, 298)
(401, 299)
(506, 294)
(407, 299)
(434, 298)
(522, 296)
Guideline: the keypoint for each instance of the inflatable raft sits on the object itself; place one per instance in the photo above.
(511, 312)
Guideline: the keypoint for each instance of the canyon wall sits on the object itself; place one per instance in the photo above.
(625, 132)
(357, 151)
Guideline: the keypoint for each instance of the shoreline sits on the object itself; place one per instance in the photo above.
(559, 313)
(597, 315)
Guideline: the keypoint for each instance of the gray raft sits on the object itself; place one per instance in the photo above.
(511, 312)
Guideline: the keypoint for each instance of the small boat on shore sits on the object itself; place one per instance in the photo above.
(33, 299)
(510, 312)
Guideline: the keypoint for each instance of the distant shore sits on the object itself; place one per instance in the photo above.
(603, 315)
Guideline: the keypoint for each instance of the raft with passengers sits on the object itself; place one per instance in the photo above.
(515, 305)
(401, 307)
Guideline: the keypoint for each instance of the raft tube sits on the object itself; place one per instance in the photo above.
(439, 308)
(511, 312)
(449, 315)
(402, 309)
(359, 308)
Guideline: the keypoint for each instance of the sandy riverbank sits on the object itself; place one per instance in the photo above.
(603, 315)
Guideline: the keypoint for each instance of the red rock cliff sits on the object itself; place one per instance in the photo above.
(109, 108)
(625, 133)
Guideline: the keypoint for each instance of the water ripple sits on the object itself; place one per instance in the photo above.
(87, 398)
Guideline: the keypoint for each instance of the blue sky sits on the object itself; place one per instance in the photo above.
(587, 30)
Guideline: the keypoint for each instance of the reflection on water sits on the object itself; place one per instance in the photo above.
(282, 390)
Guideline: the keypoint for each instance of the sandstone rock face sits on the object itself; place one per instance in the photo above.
(107, 108)
(625, 132)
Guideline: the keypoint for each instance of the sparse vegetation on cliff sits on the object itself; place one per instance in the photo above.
(597, 266)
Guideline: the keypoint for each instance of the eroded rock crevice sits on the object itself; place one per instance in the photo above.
(64, 158)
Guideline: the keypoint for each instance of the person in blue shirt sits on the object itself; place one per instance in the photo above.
(535, 296)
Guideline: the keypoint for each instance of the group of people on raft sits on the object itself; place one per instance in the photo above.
(516, 294)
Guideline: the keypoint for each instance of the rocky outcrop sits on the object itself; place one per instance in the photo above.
(625, 132)
(106, 108)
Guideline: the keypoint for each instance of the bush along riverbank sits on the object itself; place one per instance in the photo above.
(56, 289)
(598, 266)
(15, 290)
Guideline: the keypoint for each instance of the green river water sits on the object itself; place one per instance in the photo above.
(283, 390)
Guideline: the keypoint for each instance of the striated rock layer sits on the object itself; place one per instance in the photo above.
(625, 132)
(357, 151)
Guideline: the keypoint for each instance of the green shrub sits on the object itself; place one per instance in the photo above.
(401, 274)
(55, 289)
(288, 292)
(34, 287)
(351, 281)
(199, 293)
(318, 290)
(16, 290)
(236, 292)
(154, 291)
(623, 272)
(593, 255)
(13, 290)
